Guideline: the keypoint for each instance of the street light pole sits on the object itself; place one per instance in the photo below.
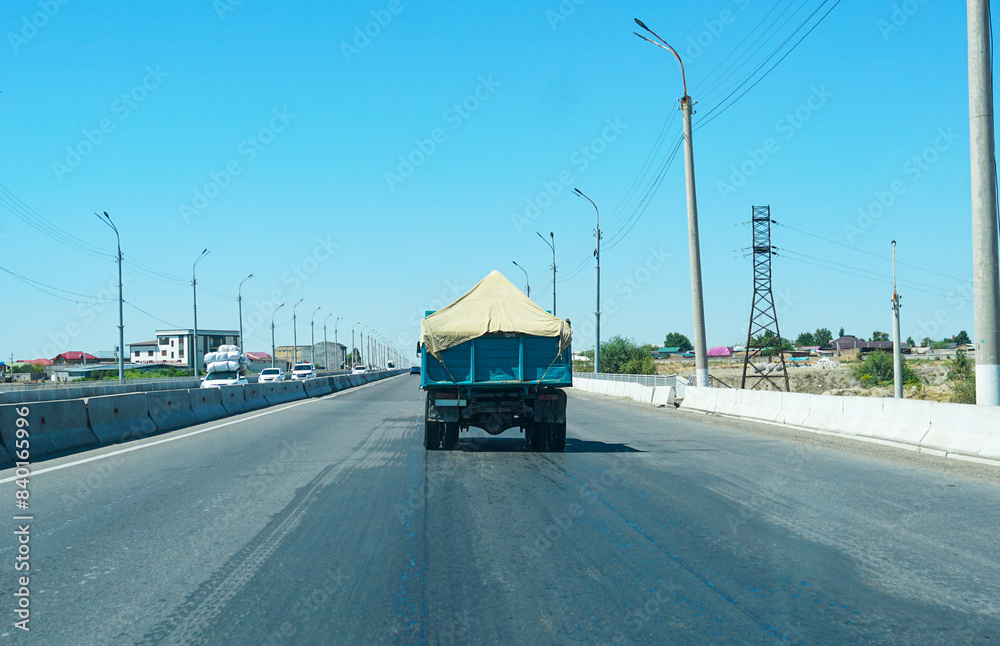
(336, 343)
(295, 335)
(985, 273)
(697, 296)
(597, 266)
(194, 291)
(527, 283)
(312, 337)
(239, 299)
(121, 318)
(272, 332)
(352, 343)
(897, 350)
(326, 346)
(553, 245)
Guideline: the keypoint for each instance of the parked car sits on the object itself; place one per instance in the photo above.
(271, 374)
(217, 379)
(303, 371)
(414, 370)
(359, 370)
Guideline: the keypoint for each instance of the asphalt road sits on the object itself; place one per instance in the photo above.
(326, 522)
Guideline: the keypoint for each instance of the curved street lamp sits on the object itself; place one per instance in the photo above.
(295, 334)
(552, 244)
(312, 337)
(121, 321)
(527, 283)
(194, 290)
(272, 332)
(597, 257)
(239, 300)
(697, 296)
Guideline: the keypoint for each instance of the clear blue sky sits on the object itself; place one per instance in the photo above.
(497, 107)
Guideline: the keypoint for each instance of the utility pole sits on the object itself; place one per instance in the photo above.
(336, 343)
(697, 297)
(597, 266)
(897, 351)
(239, 299)
(121, 318)
(194, 290)
(527, 283)
(553, 245)
(272, 332)
(312, 337)
(326, 345)
(986, 281)
(295, 335)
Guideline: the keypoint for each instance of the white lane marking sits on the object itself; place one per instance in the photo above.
(104, 456)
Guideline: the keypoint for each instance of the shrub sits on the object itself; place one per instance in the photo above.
(962, 378)
(875, 369)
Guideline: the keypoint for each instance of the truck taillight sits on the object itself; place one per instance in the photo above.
(446, 395)
(548, 396)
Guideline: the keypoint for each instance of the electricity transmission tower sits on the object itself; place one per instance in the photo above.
(763, 335)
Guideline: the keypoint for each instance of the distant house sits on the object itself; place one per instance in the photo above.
(40, 362)
(74, 357)
(663, 353)
(720, 351)
(849, 342)
(145, 352)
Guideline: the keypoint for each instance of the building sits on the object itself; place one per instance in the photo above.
(172, 346)
(314, 354)
(849, 342)
(73, 358)
(286, 353)
(145, 352)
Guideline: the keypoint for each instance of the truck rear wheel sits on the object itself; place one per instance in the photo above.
(432, 435)
(536, 435)
(450, 440)
(557, 436)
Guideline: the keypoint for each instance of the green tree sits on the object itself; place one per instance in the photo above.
(926, 343)
(962, 338)
(841, 333)
(910, 342)
(805, 339)
(677, 340)
(962, 377)
(620, 355)
(28, 367)
(768, 343)
(822, 336)
(879, 336)
(876, 370)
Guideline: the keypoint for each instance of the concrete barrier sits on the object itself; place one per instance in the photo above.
(119, 418)
(253, 394)
(862, 416)
(206, 404)
(53, 426)
(958, 428)
(904, 420)
(170, 409)
(826, 413)
(339, 383)
(283, 392)
(794, 408)
(233, 399)
(317, 387)
(991, 445)
(700, 398)
(664, 396)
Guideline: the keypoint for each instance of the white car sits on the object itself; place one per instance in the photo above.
(359, 370)
(271, 374)
(217, 379)
(303, 371)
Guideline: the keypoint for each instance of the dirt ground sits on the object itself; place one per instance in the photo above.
(833, 380)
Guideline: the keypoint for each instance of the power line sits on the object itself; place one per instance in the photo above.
(48, 289)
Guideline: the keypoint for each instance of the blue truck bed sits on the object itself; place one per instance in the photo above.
(500, 361)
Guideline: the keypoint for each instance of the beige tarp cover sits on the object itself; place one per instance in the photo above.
(493, 305)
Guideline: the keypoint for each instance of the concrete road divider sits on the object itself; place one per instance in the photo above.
(234, 399)
(206, 404)
(119, 418)
(54, 426)
(338, 383)
(170, 409)
(283, 392)
(826, 413)
(317, 387)
(904, 420)
(958, 427)
(253, 394)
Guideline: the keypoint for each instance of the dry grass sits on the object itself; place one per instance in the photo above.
(836, 380)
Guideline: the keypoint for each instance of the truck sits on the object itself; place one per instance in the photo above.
(495, 360)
